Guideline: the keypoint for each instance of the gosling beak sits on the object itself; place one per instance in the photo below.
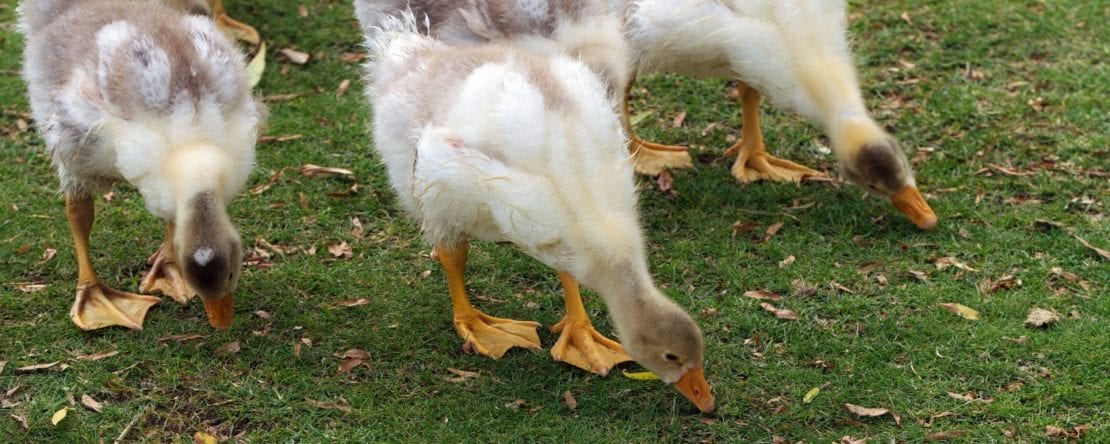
(693, 385)
(911, 203)
(219, 311)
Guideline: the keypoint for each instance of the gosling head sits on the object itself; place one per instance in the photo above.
(878, 165)
(211, 257)
(670, 344)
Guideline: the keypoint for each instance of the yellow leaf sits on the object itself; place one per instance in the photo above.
(58, 416)
(812, 393)
(640, 376)
(257, 65)
(204, 438)
(961, 310)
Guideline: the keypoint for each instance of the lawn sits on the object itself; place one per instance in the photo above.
(1002, 106)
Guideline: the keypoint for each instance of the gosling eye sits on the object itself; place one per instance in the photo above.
(670, 357)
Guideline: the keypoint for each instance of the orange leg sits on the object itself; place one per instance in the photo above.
(482, 333)
(753, 162)
(579, 344)
(233, 28)
(651, 158)
(164, 275)
(97, 305)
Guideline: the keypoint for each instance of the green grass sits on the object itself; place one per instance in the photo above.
(889, 345)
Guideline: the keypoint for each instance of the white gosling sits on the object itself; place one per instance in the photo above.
(128, 91)
(498, 144)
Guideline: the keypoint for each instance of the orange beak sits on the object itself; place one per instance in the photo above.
(911, 203)
(219, 311)
(693, 385)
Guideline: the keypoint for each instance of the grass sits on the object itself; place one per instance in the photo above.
(956, 77)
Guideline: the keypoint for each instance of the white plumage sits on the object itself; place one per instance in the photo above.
(136, 92)
(497, 143)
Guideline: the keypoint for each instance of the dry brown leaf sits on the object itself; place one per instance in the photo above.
(263, 314)
(836, 286)
(800, 288)
(343, 86)
(961, 310)
(779, 313)
(341, 405)
(285, 138)
(98, 356)
(708, 312)
(569, 401)
(296, 349)
(351, 302)
(919, 275)
(771, 230)
(678, 119)
(91, 403)
(846, 439)
(945, 436)
(22, 419)
(181, 338)
(295, 56)
(302, 11)
(282, 97)
(352, 57)
(786, 262)
(36, 367)
(260, 188)
(743, 227)
(2, 365)
(352, 358)
(1102, 253)
(969, 397)
(460, 375)
(1076, 432)
(29, 287)
(763, 295)
(358, 230)
(315, 171)
(341, 250)
(1006, 282)
(665, 182)
(1039, 317)
(948, 261)
(1037, 103)
(866, 411)
(228, 349)
(47, 255)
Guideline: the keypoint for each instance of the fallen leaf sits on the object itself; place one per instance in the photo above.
(263, 314)
(329, 405)
(2, 365)
(353, 358)
(763, 295)
(23, 249)
(1037, 103)
(812, 393)
(358, 230)
(948, 261)
(181, 338)
(228, 349)
(29, 287)
(352, 57)
(779, 313)
(786, 262)
(961, 310)
(204, 438)
(257, 66)
(569, 401)
(639, 376)
(969, 397)
(708, 312)
(343, 86)
(906, 17)
(282, 97)
(285, 138)
(799, 287)
(341, 250)
(1103, 253)
(1006, 282)
(743, 227)
(771, 230)
(639, 117)
(36, 367)
(260, 188)
(22, 419)
(836, 285)
(91, 403)
(351, 302)
(678, 119)
(296, 349)
(302, 11)
(516, 404)
(665, 182)
(944, 436)
(460, 375)
(47, 255)
(1039, 317)
(866, 411)
(58, 416)
(98, 356)
(920, 275)
(315, 171)
(847, 439)
(294, 56)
